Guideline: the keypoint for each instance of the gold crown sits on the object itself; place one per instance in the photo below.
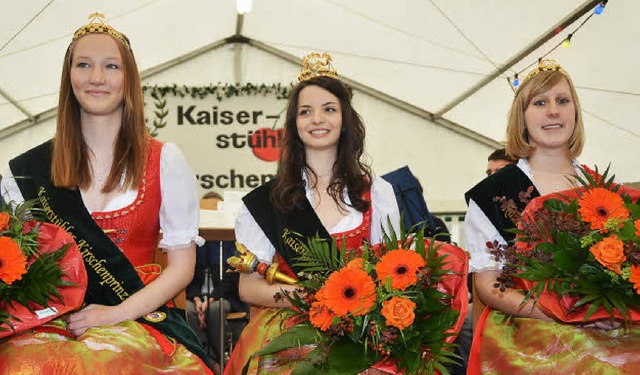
(316, 64)
(96, 25)
(546, 66)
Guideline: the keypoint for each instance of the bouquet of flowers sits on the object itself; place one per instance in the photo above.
(41, 270)
(577, 252)
(387, 305)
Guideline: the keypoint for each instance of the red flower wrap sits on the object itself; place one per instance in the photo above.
(454, 284)
(51, 238)
(560, 307)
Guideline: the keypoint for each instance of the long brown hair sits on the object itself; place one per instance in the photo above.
(518, 145)
(70, 159)
(288, 191)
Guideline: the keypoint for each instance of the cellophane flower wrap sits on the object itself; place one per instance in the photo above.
(42, 274)
(396, 307)
(577, 252)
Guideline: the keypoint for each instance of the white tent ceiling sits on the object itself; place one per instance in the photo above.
(425, 54)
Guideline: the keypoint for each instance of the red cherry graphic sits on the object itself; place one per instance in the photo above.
(265, 143)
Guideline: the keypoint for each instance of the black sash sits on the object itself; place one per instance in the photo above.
(111, 277)
(508, 182)
(287, 231)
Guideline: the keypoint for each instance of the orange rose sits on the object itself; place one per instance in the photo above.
(399, 312)
(4, 220)
(609, 252)
(637, 225)
(635, 278)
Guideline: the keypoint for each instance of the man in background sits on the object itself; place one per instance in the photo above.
(497, 160)
(209, 295)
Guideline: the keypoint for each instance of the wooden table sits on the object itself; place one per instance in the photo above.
(218, 234)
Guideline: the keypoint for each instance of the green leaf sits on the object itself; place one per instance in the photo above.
(311, 364)
(593, 308)
(619, 303)
(634, 209)
(348, 357)
(554, 204)
(294, 337)
(564, 261)
(584, 300)
(320, 255)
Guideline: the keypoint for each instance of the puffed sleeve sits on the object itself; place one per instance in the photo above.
(9, 188)
(249, 233)
(385, 209)
(478, 230)
(180, 208)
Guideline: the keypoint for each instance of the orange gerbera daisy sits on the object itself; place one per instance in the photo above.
(4, 220)
(637, 225)
(349, 291)
(357, 263)
(319, 314)
(635, 278)
(402, 266)
(599, 205)
(13, 263)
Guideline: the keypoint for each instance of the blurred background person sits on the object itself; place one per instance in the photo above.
(208, 295)
(497, 160)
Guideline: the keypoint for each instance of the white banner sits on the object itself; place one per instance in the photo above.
(230, 138)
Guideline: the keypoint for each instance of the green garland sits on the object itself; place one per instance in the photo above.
(220, 91)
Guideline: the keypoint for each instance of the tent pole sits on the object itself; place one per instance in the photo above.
(17, 105)
(237, 63)
(239, 23)
(386, 98)
(48, 114)
(586, 7)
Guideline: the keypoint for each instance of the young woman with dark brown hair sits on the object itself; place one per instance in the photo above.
(322, 187)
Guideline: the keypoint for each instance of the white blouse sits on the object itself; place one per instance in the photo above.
(179, 208)
(478, 230)
(383, 205)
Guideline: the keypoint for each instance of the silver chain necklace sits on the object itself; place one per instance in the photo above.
(99, 177)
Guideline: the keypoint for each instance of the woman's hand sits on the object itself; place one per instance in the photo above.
(603, 325)
(509, 302)
(255, 290)
(92, 316)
